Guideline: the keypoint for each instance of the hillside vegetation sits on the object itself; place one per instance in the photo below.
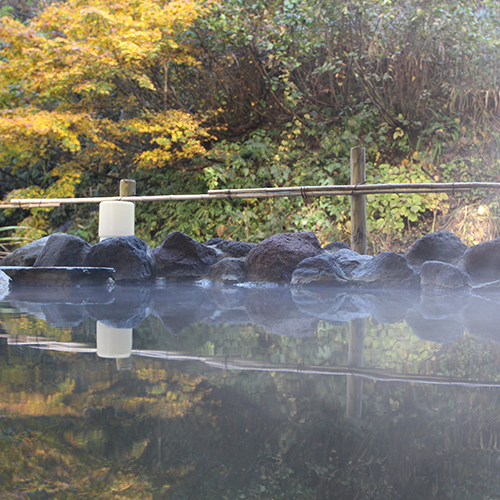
(186, 96)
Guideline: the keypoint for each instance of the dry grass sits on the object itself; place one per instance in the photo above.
(473, 224)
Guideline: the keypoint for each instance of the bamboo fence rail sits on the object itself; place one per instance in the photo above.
(277, 192)
(357, 190)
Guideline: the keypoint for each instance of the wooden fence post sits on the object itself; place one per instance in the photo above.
(358, 201)
(354, 389)
(127, 187)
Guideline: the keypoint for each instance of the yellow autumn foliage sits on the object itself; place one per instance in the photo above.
(26, 133)
(90, 80)
(82, 45)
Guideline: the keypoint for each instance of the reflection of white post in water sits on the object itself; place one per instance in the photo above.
(115, 343)
(355, 360)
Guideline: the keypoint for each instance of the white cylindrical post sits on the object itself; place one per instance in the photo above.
(116, 218)
(113, 342)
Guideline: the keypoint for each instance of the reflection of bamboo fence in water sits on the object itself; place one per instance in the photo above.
(230, 363)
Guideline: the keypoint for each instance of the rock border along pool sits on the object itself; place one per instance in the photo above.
(437, 261)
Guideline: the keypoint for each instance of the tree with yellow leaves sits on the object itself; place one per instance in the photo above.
(86, 86)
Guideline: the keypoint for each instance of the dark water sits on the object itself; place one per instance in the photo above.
(191, 392)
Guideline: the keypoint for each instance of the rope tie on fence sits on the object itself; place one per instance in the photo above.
(358, 184)
(303, 193)
(453, 189)
(40, 202)
(120, 198)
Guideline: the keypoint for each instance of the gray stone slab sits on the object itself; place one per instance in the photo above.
(59, 276)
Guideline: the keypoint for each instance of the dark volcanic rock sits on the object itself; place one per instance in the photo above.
(321, 269)
(128, 255)
(442, 246)
(335, 246)
(180, 256)
(228, 270)
(274, 259)
(234, 249)
(387, 269)
(63, 250)
(435, 274)
(26, 255)
(212, 242)
(482, 262)
(349, 260)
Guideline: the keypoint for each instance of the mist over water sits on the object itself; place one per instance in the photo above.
(189, 391)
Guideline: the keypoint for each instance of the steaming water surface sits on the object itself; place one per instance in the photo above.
(203, 392)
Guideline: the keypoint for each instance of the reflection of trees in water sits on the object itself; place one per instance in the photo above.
(164, 428)
(74, 425)
(431, 439)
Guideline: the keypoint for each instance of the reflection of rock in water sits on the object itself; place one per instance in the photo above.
(228, 297)
(230, 304)
(437, 316)
(61, 307)
(33, 308)
(333, 307)
(179, 306)
(64, 315)
(482, 318)
(340, 307)
(275, 310)
(443, 304)
(56, 315)
(4, 285)
(441, 330)
(390, 307)
(129, 307)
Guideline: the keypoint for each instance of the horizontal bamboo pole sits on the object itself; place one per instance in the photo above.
(365, 188)
(279, 192)
(30, 205)
(41, 202)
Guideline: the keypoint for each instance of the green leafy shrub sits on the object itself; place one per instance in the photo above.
(392, 213)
